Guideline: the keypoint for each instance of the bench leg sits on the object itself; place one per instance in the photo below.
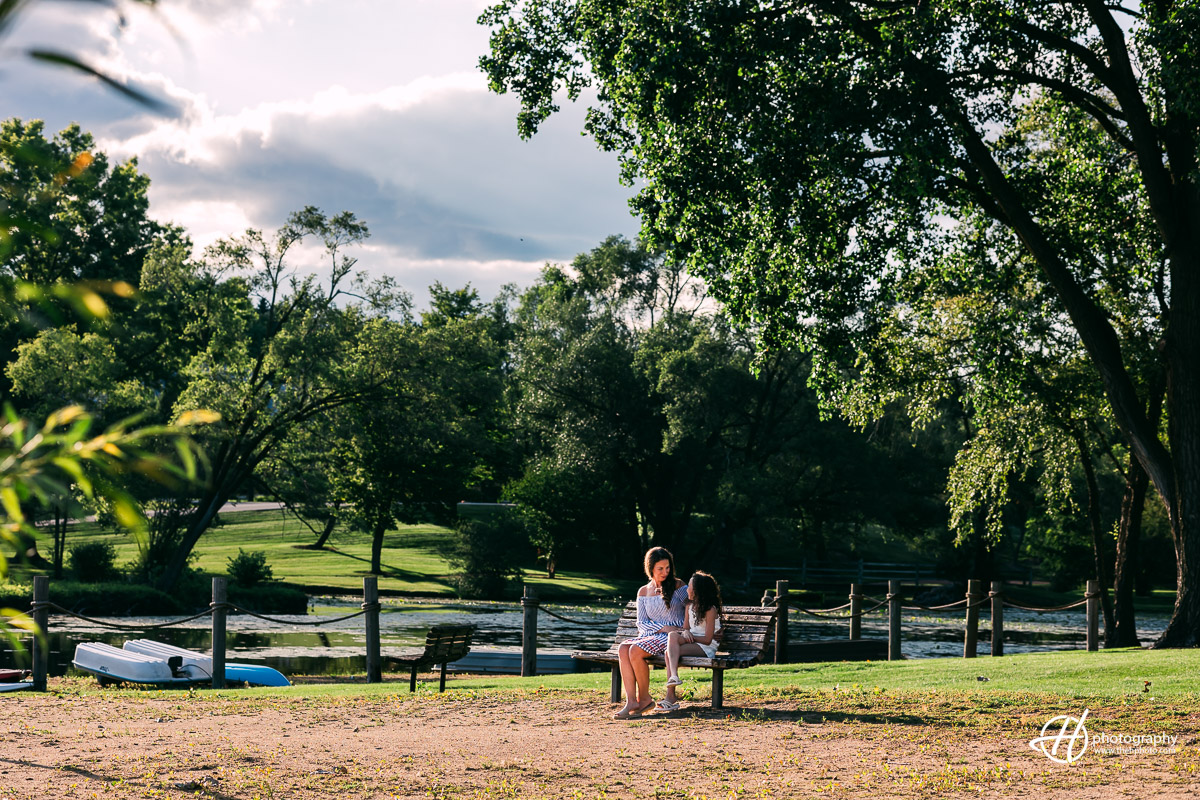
(615, 697)
(718, 688)
(412, 679)
(442, 683)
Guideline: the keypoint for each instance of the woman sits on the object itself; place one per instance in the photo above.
(704, 612)
(660, 605)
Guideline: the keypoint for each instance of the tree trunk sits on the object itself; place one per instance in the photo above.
(197, 525)
(330, 524)
(983, 561)
(1099, 556)
(59, 527)
(1183, 417)
(377, 548)
(1129, 530)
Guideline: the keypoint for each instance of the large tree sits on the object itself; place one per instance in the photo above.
(283, 355)
(799, 153)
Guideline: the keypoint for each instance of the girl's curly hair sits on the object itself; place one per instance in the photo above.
(707, 595)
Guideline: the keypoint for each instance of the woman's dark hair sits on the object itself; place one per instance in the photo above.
(707, 595)
(653, 556)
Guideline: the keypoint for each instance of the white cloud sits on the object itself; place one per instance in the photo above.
(366, 105)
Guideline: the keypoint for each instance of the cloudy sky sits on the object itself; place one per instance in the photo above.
(372, 106)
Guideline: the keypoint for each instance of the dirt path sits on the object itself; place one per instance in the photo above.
(529, 745)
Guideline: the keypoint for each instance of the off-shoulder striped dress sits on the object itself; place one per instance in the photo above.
(652, 614)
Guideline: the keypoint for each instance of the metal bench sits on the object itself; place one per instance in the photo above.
(443, 644)
(745, 635)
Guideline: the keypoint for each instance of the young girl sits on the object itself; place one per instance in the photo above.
(700, 638)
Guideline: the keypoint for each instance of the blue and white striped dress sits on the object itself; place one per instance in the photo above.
(652, 614)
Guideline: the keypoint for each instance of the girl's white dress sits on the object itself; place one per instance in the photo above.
(697, 629)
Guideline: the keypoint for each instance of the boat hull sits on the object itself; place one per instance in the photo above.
(112, 664)
(251, 674)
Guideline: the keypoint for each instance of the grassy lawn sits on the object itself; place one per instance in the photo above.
(413, 563)
(1031, 682)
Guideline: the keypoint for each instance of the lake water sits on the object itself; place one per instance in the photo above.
(338, 648)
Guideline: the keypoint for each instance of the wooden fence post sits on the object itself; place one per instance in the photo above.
(855, 612)
(529, 603)
(971, 641)
(893, 598)
(41, 636)
(1093, 615)
(218, 633)
(997, 595)
(370, 604)
(781, 622)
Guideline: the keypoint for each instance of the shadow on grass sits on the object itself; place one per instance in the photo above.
(388, 571)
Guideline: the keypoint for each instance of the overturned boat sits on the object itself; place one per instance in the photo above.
(13, 680)
(147, 661)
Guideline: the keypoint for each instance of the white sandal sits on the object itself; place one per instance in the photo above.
(674, 680)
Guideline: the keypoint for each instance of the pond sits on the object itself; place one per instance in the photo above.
(338, 648)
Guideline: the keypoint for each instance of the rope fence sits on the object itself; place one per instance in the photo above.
(550, 613)
(975, 599)
(218, 610)
(852, 612)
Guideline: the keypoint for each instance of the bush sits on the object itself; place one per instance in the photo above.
(100, 599)
(93, 562)
(269, 599)
(249, 569)
(487, 554)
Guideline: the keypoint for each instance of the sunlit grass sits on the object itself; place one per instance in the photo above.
(1108, 675)
(413, 561)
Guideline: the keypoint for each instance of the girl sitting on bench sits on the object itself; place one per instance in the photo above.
(703, 618)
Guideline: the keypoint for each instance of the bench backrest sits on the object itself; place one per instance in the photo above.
(446, 643)
(746, 631)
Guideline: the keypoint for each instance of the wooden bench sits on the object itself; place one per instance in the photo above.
(443, 644)
(745, 635)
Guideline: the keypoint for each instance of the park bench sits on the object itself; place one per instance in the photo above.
(745, 635)
(443, 644)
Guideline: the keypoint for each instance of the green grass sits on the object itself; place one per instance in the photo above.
(412, 561)
(1109, 675)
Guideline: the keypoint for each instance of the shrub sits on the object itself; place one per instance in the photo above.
(487, 554)
(250, 569)
(103, 599)
(93, 562)
(269, 599)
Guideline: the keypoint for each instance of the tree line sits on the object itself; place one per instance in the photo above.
(612, 401)
(991, 200)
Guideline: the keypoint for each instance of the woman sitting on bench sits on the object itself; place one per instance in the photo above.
(660, 605)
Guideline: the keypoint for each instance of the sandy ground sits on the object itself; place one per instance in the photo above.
(469, 745)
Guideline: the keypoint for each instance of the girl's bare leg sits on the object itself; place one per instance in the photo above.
(673, 656)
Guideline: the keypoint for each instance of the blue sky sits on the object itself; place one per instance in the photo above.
(372, 106)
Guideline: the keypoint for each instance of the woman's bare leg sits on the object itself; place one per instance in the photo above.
(627, 677)
(641, 674)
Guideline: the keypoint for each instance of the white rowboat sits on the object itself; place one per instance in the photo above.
(146, 661)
